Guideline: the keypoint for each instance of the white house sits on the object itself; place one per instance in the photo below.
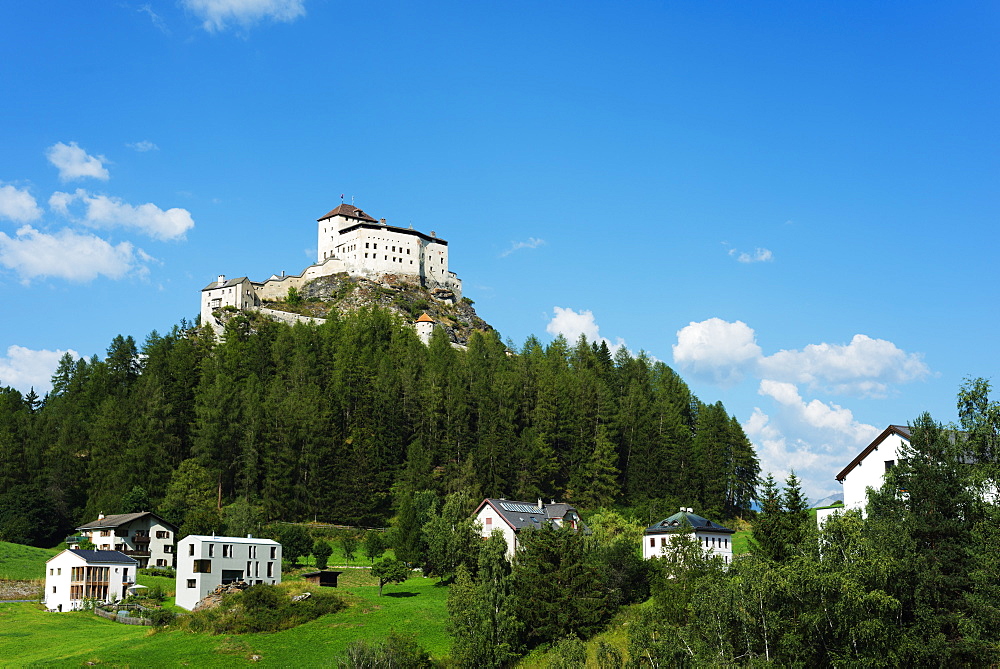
(75, 575)
(714, 538)
(511, 517)
(144, 536)
(204, 563)
(868, 469)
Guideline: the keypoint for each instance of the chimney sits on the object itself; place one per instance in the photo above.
(433, 234)
(540, 505)
(382, 221)
(249, 536)
(222, 279)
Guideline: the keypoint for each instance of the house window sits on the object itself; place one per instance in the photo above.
(51, 571)
(168, 549)
(227, 550)
(202, 567)
(274, 552)
(489, 521)
(663, 541)
(652, 542)
(211, 550)
(889, 464)
(270, 570)
(105, 533)
(160, 562)
(160, 534)
(53, 588)
(58, 571)
(191, 583)
(253, 552)
(190, 549)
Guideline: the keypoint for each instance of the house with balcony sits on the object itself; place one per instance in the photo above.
(144, 536)
(76, 575)
(204, 563)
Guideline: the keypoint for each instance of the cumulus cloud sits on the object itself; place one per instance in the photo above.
(571, 324)
(827, 417)
(726, 352)
(717, 349)
(75, 163)
(18, 205)
(102, 211)
(143, 146)
(532, 243)
(866, 366)
(759, 255)
(66, 254)
(24, 368)
(218, 15)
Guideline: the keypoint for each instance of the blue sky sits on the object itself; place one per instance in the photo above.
(793, 204)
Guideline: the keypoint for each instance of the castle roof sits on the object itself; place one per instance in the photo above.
(682, 521)
(229, 283)
(424, 318)
(348, 211)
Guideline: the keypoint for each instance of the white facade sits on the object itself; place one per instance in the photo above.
(143, 536)
(204, 563)
(868, 469)
(714, 538)
(511, 517)
(75, 575)
(489, 520)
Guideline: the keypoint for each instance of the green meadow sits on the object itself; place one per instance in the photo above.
(31, 636)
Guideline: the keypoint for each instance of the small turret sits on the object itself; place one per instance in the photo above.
(425, 326)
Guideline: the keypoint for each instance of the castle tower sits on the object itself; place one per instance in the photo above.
(425, 326)
(330, 226)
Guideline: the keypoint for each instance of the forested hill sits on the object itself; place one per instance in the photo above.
(337, 421)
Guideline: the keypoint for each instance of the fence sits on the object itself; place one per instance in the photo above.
(127, 620)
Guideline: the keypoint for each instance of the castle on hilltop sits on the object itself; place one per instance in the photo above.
(352, 242)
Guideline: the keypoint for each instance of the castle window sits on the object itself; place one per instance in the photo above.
(366, 244)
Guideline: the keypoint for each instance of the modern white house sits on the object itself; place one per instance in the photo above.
(144, 536)
(352, 242)
(75, 575)
(204, 563)
(512, 517)
(714, 538)
(868, 469)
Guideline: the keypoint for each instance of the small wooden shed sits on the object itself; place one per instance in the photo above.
(326, 579)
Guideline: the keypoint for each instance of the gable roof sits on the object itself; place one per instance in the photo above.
(901, 430)
(424, 318)
(526, 514)
(682, 521)
(228, 284)
(105, 557)
(347, 211)
(117, 520)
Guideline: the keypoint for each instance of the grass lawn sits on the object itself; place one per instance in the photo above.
(23, 563)
(741, 542)
(29, 635)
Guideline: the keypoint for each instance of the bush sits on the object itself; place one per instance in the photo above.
(262, 608)
(322, 552)
(395, 651)
(169, 572)
(160, 617)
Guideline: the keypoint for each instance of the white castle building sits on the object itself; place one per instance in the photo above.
(351, 241)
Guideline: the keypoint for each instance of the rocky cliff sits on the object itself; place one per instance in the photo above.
(400, 294)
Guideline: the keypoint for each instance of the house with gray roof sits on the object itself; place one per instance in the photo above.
(144, 536)
(76, 575)
(714, 538)
(512, 517)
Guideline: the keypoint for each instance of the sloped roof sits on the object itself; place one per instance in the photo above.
(231, 540)
(111, 522)
(424, 318)
(347, 211)
(114, 557)
(526, 514)
(231, 282)
(682, 521)
(901, 430)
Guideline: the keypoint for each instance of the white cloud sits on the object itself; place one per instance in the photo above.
(24, 368)
(104, 212)
(155, 18)
(143, 146)
(571, 324)
(828, 417)
(18, 205)
(725, 352)
(759, 255)
(864, 367)
(532, 243)
(220, 14)
(66, 254)
(75, 163)
(717, 349)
